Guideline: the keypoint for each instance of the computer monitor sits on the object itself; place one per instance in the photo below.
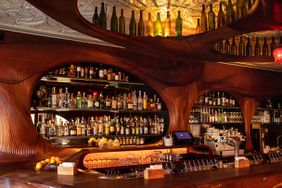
(182, 138)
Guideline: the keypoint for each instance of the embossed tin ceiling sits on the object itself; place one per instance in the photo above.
(20, 16)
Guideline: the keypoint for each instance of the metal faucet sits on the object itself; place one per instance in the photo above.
(277, 141)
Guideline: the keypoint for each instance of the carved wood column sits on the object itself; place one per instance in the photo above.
(18, 136)
(248, 106)
(179, 101)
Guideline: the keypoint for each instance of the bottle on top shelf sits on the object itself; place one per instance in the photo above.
(141, 25)
(204, 26)
(95, 19)
(211, 19)
(103, 17)
(220, 17)
(150, 26)
(167, 25)
(114, 21)
(121, 26)
(132, 25)
(158, 26)
(178, 25)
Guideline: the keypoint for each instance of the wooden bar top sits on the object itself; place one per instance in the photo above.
(266, 175)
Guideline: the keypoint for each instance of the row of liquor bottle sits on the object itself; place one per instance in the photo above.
(216, 99)
(91, 71)
(97, 100)
(207, 115)
(243, 48)
(101, 126)
(159, 28)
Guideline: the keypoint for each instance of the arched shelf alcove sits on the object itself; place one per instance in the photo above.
(79, 101)
(266, 125)
(216, 112)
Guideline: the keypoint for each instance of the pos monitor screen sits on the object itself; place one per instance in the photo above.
(182, 138)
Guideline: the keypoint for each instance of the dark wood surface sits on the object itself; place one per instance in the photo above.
(178, 69)
(266, 175)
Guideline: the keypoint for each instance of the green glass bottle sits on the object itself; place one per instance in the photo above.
(158, 26)
(249, 47)
(102, 17)
(265, 47)
(257, 47)
(167, 25)
(230, 14)
(114, 21)
(132, 25)
(121, 23)
(211, 19)
(95, 19)
(141, 26)
(150, 26)
(220, 17)
(241, 47)
(178, 25)
(204, 27)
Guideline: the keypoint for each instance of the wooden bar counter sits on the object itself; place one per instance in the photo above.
(266, 175)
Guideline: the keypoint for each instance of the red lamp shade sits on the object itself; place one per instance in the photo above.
(277, 54)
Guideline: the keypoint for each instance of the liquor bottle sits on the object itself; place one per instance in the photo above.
(257, 47)
(113, 127)
(114, 21)
(223, 101)
(241, 47)
(272, 44)
(218, 99)
(89, 101)
(78, 100)
(101, 72)
(108, 104)
(150, 26)
(178, 25)
(129, 102)
(95, 19)
(134, 100)
(54, 98)
(84, 101)
(198, 28)
(249, 47)
(102, 17)
(82, 72)
(158, 26)
(159, 104)
(233, 50)
(101, 101)
(211, 19)
(220, 17)
(67, 98)
(265, 47)
(114, 103)
(60, 98)
(141, 27)
(96, 102)
(78, 71)
(167, 25)
(121, 26)
(132, 25)
(86, 72)
(140, 101)
(204, 26)
(145, 101)
(230, 14)
(227, 47)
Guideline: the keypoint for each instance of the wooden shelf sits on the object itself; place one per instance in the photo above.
(98, 136)
(217, 123)
(83, 81)
(221, 107)
(66, 110)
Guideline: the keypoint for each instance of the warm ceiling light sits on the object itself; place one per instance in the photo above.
(277, 54)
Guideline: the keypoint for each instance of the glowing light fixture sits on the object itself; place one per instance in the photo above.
(277, 54)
